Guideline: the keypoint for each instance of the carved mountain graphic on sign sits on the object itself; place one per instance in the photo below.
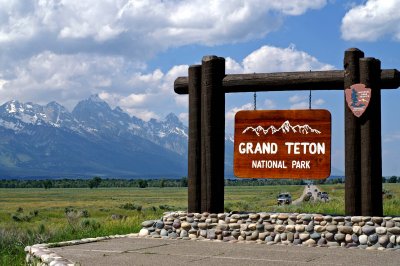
(285, 128)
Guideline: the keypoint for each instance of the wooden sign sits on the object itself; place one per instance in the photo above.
(283, 144)
(357, 98)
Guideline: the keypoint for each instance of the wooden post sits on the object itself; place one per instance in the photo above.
(194, 148)
(371, 146)
(352, 137)
(212, 134)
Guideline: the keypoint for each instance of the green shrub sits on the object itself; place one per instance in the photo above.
(84, 213)
(131, 206)
(21, 217)
(90, 224)
(228, 207)
(166, 207)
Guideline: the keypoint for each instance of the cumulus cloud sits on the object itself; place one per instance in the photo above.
(269, 104)
(372, 20)
(66, 50)
(69, 78)
(275, 59)
(233, 67)
(64, 78)
(139, 28)
(392, 137)
(319, 102)
(230, 114)
(302, 102)
(297, 98)
(143, 114)
(184, 117)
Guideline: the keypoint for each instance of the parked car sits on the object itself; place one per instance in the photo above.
(284, 198)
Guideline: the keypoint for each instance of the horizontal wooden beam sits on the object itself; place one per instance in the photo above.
(290, 81)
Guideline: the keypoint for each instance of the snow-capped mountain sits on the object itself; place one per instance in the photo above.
(92, 139)
(285, 128)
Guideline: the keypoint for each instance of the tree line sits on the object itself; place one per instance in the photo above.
(97, 182)
(392, 179)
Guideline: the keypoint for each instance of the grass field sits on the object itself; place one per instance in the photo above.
(29, 216)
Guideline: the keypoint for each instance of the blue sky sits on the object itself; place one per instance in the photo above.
(130, 52)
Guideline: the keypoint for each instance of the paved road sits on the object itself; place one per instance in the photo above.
(147, 251)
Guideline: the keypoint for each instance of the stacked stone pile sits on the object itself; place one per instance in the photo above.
(279, 228)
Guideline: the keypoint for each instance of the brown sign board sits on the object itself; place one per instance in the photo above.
(282, 144)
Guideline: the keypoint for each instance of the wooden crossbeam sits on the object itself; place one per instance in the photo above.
(290, 81)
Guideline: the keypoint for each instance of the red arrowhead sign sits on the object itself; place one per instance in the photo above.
(357, 98)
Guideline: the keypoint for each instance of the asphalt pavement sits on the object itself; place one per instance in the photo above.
(149, 251)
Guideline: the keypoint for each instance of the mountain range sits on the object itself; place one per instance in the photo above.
(93, 139)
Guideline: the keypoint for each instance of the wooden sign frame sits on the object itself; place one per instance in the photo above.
(207, 85)
(282, 144)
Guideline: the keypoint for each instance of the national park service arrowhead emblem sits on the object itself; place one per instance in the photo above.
(357, 98)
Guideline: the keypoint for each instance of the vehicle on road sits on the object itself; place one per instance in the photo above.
(284, 198)
(308, 196)
(324, 196)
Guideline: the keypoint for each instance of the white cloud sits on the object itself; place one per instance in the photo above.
(139, 28)
(297, 7)
(372, 20)
(143, 114)
(297, 98)
(2, 83)
(182, 100)
(392, 137)
(184, 118)
(148, 81)
(299, 105)
(135, 100)
(276, 59)
(67, 50)
(268, 59)
(69, 78)
(48, 76)
(303, 102)
(232, 67)
(230, 115)
(269, 104)
(319, 102)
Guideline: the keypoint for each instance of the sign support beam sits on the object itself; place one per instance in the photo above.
(194, 143)
(290, 81)
(352, 151)
(212, 134)
(371, 141)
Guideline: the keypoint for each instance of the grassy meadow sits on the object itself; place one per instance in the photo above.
(29, 216)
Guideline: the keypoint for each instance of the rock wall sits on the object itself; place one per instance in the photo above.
(279, 228)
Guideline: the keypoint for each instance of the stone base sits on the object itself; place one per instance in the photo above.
(279, 228)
